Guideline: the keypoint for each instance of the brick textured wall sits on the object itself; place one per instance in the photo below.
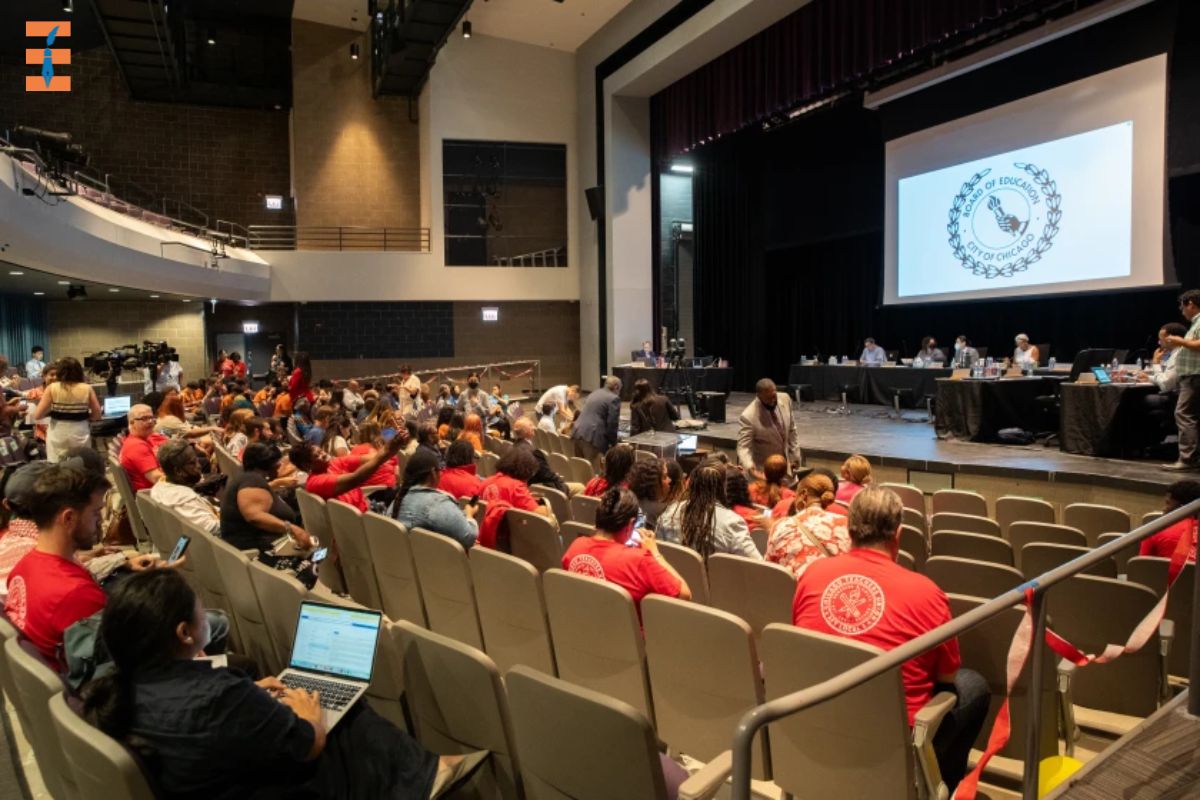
(357, 158)
(221, 160)
(377, 330)
(80, 328)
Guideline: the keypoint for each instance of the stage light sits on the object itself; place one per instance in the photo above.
(212, 35)
(114, 291)
(685, 169)
(68, 7)
(38, 294)
(15, 272)
(466, 29)
(64, 283)
(354, 51)
(154, 296)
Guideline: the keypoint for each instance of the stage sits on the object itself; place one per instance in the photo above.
(895, 446)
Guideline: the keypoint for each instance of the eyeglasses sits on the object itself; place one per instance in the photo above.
(143, 419)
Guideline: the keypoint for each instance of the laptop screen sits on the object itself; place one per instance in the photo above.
(1102, 375)
(336, 641)
(687, 444)
(116, 406)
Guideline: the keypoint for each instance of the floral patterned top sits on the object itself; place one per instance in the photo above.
(791, 544)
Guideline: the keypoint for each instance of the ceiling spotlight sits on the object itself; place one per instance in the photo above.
(212, 35)
(38, 294)
(154, 296)
(686, 169)
(114, 291)
(67, 6)
(354, 51)
(467, 29)
(64, 283)
(15, 272)
(186, 300)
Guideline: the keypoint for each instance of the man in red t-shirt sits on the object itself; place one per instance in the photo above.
(341, 478)
(606, 554)
(1163, 543)
(138, 457)
(866, 596)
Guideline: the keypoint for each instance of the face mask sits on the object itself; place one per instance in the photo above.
(473, 384)
(958, 346)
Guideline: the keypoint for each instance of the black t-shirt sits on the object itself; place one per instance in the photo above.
(234, 527)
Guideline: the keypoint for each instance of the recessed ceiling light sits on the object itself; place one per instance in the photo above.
(186, 300)
(154, 296)
(39, 294)
(114, 290)
(15, 272)
(64, 283)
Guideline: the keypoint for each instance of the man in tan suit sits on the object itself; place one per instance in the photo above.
(767, 429)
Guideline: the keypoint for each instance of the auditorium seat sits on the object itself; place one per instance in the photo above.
(704, 675)
(811, 754)
(906, 560)
(597, 639)
(156, 531)
(459, 705)
(512, 610)
(7, 631)
(534, 538)
(757, 591)
(279, 596)
(559, 503)
(561, 465)
(226, 463)
(916, 520)
(968, 576)
(233, 570)
(910, 496)
(1150, 516)
(1038, 558)
(119, 479)
(485, 464)
(386, 692)
(1151, 572)
(1010, 509)
(1023, 533)
(1124, 554)
(581, 470)
(583, 509)
(35, 683)
(975, 546)
(99, 765)
(950, 521)
(353, 553)
(555, 726)
(760, 536)
(1094, 520)
(570, 531)
(690, 566)
(206, 578)
(395, 573)
(446, 587)
(955, 501)
(315, 518)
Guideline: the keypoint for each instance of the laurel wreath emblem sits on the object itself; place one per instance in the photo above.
(1049, 189)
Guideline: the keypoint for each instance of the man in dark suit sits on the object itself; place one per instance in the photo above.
(595, 429)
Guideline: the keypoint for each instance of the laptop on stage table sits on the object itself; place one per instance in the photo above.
(116, 407)
(334, 654)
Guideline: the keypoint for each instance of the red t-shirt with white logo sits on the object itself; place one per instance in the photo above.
(1163, 543)
(634, 569)
(48, 594)
(324, 484)
(866, 596)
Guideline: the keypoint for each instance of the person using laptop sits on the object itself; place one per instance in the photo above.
(215, 733)
(71, 404)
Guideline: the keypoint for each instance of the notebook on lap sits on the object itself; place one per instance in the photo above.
(334, 654)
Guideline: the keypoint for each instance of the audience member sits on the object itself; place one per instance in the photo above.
(546, 418)
(320, 423)
(252, 515)
(336, 441)
(649, 482)
(866, 596)
(205, 732)
(649, 410)
(33, 398)
(369, 441)
(677, 482)
(766, 428)
(428, 439)
(522, 433)
(71, 404)
(236, 434)
(474, 400)
(35, 364)
(281, 363)
(472, 431)
(168, 374)
(617, 462)
(508, 488)
(181, 471)
(137, 451)
(703, 521)
(459, 479)
(608, 556)
(737, 496)
(595, 429)
(811, 533)
(420, 503)
(1163, 543)
(300, 383)
(856, 474)
(352, 399)
(342, 478)
(562, 397)
(769, 490)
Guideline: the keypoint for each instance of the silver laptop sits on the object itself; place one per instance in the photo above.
(116, 407)
(687, 445)
(334, 654)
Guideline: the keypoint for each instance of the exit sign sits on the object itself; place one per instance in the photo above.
(249, 327)
(491, 314)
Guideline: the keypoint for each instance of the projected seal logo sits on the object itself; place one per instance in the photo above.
(1002, 224)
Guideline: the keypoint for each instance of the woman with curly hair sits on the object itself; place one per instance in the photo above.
(737, 494)
(703, 521)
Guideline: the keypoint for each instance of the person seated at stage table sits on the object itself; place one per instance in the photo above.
(930, 352)
(649, 410)
(767, 428)
(872, 355)
(647, 351)
(1025, 355)
(1163, 543)
(965, 356)
(769, 490)
(703, 521)
(1165, 377)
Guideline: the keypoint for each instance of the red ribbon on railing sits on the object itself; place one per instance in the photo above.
(1018, 653)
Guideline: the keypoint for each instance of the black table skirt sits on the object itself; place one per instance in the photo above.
(1106, 420)
(713, 379)
(977, 410)
(870, 384)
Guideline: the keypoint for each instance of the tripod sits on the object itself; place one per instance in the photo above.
(677, 386)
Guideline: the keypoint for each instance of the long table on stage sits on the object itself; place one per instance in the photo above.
(1105, 420)
(870, 384)
(976, 410)
(702, 379)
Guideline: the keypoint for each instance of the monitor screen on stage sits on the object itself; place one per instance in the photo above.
(1058, 192)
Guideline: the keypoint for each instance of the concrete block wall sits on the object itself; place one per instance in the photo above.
(377, 330)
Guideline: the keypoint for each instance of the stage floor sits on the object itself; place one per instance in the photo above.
(875, 432)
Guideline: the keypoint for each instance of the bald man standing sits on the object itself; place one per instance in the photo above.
(138, 457)
(767, 429)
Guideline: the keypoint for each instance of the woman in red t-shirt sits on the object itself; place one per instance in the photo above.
(1163, 543)
(617, 463)
(370, 440)
(608, 554)
(737, 495)
(770, 491)
(508, 488)
(300, 384)
(458, 478)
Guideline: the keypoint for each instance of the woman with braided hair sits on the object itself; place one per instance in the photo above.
(703, 521)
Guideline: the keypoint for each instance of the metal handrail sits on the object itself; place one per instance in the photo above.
(341, 237)
(781, 707)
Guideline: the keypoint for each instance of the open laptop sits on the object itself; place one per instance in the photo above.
(116, 407)
(687, 444)
(1102, 376)
(334, 654)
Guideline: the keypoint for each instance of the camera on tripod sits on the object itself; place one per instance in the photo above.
(110, 363)
(676, 350)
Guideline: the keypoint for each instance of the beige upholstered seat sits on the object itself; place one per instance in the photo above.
(512, 610)
(956, 501)
(1152, 572)
(967, 523)
(581, 470)
(395, 573)
(690, 566)
(1124, 554)
(561, 464)
(100, 766)
(156, 530)
(915, 519)
(570, 531)
(1094, 520)
(35, 683)
(354, 553)
(559, 504)
(1023, 533)
(315, 516)
(583, 509)
(280, 596)
(485, 464)
(227, 464)
(1010, 509)
(120, 479)
(597, 640)
(976, 546)
(446, 586)
(1038, 558)
(967, 576)
(534, 538)
(910, 496)
(914, 542)
(233, 570)
(757, 591)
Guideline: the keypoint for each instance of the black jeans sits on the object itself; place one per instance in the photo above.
(961, 726)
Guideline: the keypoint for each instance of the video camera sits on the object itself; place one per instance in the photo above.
(110, 363)
(676, 350)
